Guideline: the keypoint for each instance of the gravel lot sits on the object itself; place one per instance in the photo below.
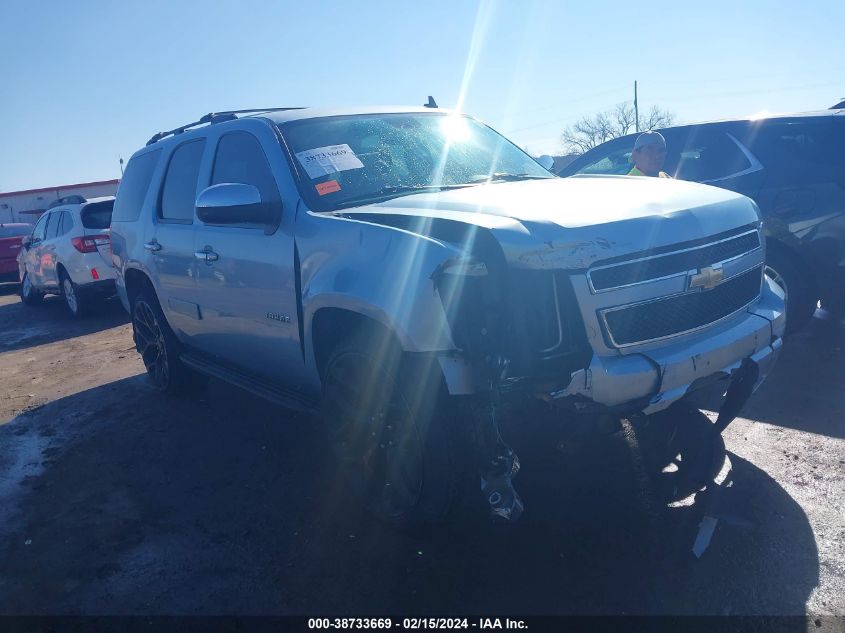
(116, 500)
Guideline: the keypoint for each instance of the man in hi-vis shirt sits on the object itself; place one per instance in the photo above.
(648, 155)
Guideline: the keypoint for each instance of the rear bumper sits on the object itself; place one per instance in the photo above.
(651, 381)
(102, 288)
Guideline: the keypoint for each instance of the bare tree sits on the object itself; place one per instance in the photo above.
(590, 131)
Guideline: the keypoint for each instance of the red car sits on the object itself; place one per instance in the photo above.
(11, 236)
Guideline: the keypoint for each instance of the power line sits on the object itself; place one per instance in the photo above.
(757, 91)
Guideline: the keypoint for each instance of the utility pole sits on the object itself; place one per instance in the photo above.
(636, 109)
(121, 167)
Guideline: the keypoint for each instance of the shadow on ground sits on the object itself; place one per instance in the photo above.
(811, 369)
(136, 503)
(9, 288)
(23, 326)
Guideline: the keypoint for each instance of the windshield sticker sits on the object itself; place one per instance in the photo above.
(330, 186)
(331, 159)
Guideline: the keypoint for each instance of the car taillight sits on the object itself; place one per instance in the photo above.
(89, 243)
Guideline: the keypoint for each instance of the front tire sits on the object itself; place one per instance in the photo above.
(799, 292)
(385, 417)
(29, 295)
(683, 452)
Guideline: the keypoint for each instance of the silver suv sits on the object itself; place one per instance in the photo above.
(407, 271)
(68, 254)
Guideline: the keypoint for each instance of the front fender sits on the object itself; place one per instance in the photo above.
(380, 272)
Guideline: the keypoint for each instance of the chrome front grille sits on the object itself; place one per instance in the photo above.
(655, 295)
(661, 266)
(686, 312)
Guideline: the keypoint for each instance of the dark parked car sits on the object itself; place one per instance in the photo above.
(11, 236)
(793, 166)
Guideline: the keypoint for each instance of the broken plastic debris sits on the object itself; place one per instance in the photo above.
(705, 534)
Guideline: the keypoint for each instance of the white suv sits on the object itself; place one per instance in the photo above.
(68, 253)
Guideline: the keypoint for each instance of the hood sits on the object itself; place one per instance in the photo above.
(576, 222)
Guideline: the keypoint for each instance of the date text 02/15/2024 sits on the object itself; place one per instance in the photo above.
(412, 624)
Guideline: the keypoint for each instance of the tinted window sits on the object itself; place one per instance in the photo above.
(240, 159)
(134, 185)
(707, 155)
(179, 195)
(14, 230)
(40, 228)
(67, 223)
(792, 149)
(97, 215)
(53, 226)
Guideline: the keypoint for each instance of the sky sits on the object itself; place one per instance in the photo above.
(84, 83)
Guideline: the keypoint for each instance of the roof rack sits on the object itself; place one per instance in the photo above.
(212, 118)
(74, 199)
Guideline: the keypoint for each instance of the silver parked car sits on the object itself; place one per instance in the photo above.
(68, 253)
(406, 271)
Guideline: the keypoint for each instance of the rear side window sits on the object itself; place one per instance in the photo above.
(53, 226)
(14, 231)
(134, 186)
(796, 151)
(67, 223)
(97, 215)
(178, 197)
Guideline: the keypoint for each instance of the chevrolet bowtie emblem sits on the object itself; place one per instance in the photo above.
(707, 278)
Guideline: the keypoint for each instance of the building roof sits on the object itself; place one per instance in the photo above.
(75, 186)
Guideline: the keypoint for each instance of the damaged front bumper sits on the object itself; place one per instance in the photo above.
(698, 370)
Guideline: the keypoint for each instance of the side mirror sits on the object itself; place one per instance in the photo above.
(26, 241)
(546, 162)
(235, 203)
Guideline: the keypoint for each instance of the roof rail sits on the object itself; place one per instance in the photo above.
(212, 118)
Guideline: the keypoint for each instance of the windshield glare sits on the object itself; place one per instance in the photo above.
(348, 160)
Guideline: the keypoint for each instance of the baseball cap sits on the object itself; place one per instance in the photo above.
(650, 138)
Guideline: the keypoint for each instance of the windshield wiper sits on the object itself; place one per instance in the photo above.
(398, 190)
(501, 176)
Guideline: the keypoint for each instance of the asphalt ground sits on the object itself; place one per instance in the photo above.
(117, 500)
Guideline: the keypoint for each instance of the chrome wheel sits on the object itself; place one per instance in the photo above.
(373, 435)
(151, 344)
(70, 295)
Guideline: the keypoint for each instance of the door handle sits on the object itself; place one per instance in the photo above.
(152, 246)
(207, 255)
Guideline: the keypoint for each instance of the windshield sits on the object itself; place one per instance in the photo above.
(350, 160)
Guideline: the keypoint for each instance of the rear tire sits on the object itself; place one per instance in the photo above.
(158, 346)
(76, 304)
(388, 425)
(800, 295)
(29, 295)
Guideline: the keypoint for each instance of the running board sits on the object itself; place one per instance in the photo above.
(256, 386)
